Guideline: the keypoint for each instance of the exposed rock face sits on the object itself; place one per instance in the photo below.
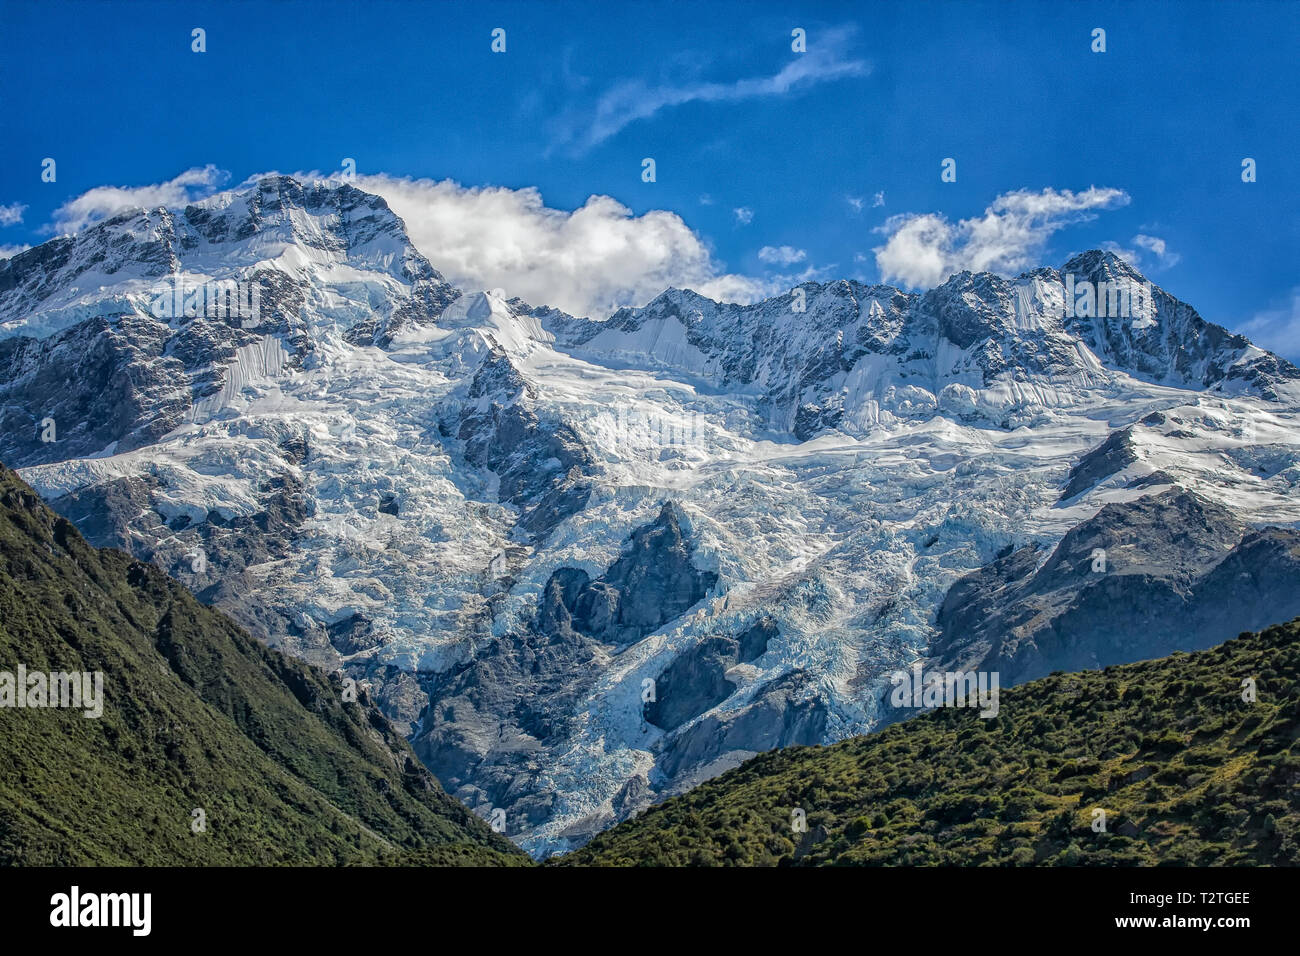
(540, 467)
(486, 732)
(1138, 580)
(693, 683)
(101, 384)
(1113, 455)
(696, 681)
(209, 553)
(488, 722)
(115, 514)
(353, 634)
(783, 714)
(1173, 344)
(649, 585)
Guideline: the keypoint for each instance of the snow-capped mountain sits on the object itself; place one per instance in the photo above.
(853, 357)
(585, 564)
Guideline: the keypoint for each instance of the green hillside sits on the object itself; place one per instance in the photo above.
(197, 715)
(1186, 770)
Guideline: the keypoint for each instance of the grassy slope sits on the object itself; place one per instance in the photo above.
(1187, 771)
(198, 714)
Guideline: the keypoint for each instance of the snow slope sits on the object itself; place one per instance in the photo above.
(384, 474)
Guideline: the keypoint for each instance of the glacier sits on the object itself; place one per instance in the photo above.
(386, 474)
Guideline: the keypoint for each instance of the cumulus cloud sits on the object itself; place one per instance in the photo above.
(1278, 329)
(588, 261)
(587, 126)
(103, 202)
(12, 214)
(922, 250)
(744, 215)
(591, 261)
(781, 255)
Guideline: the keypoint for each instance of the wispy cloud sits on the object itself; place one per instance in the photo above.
(9, 251)
(781, 255)
(922, 250)
(1144, 252)
(859, 203)
(582, 129)
(1157, 247)
(1277, 329)
(744, 215)
(12, 214)
(103, 202)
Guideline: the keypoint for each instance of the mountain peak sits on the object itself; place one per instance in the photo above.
(275, 227)
(1101, 264)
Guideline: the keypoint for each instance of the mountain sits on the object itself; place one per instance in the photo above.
(860, 356)
(1139, 579)
(207, 749)
(1186, 770)
(585, 565)
(88, 349)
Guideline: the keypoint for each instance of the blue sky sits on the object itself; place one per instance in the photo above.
(771, 165)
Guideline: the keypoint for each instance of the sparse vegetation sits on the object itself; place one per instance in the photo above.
(198, 715)
(1187, 772)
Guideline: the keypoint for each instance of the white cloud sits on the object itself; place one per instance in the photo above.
(735, 288)
(1158, 247)
(1135, 256)
(585, 127)
(1277, 330)
(744, 215)
(12, 214)
(781, 255)
(103, 202)
(1127, 253)
(922, 250)
(590, 261)
(7, 252)
(859, 203)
